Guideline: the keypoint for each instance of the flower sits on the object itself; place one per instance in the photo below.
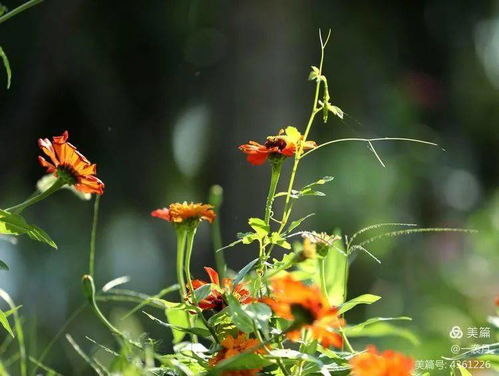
(308, 308)
(178, 213)
(284, 144)
(388, 363)
(232, 346)
(215, 300)
(69, 165)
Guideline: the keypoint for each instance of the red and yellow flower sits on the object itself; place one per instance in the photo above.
(215, 300)
(185, 212)
(232, 346)
(308, 308)
(387, 363)
(285, 144)
(69, 165)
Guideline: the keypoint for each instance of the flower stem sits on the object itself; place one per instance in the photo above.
(19, 9)
(181, 241)
(59, 183)
(216, 197)
(93, 235)
(89, 291)
(274, 179)
(190, 242)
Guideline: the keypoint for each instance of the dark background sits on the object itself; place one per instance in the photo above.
(160, 94)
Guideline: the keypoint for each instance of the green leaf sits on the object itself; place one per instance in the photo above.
(260, 313)
(362, 299)
(239, 316)
(384, 329)
(14, 224)
(357, 329)
(202, 332)
(259, 225)
(242, 273)
(3, 266)
(335, 110)
(298, 222)
(248, 239)
(203, 291)
(277, 239)
(6, 64)
(314, 73)
(464, 371)
(294, 355)
(240, 362)
(177, 318)
(337, 273)
(5, 323)
(324, 180)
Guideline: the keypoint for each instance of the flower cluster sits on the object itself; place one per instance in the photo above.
(387, 363)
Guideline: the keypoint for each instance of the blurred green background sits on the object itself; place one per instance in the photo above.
(160, 94)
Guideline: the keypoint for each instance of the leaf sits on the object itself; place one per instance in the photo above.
(298, 222)
(259, 225)
(242, 273)
(314, 73)
(464, 371)
(177, 318)
(14, 224)
(202, 332)
(240, 362)
(5, 323)
(357, 329)
(335, 110)
(240, 317)
(277, 239)
(362, 299)
(337, 274)
(321, 181)
(384, 329)
(6, 64)
(3, 266)
(260, 313)
(294, 355)
(202, 292)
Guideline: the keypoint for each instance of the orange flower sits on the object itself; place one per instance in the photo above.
(68, 164)
(232, 346)
(284, 144)
(308, 308)
(215, 300)
(388, 363)
(178, 213)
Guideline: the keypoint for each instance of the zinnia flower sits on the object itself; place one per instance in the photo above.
(284, 144)
(232, 346)
(215, 300)
(388, 363)
(308, 308)
(69, 165)
(178, 213)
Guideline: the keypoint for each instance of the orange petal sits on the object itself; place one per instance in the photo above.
(90, 184)
(49, 166)
(213, 275)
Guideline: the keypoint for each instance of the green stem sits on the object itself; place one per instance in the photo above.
(190, 242)
(89, 290)
(216, 197)
(181, 239)
(58, 184)
(276, 173)
(91, 261)
(299, 151)
(19, 9)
